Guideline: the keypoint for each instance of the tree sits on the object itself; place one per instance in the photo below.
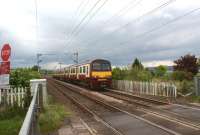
(137, 65)
(187, 63)
(160, 71)
(119, 74)
(35, 68)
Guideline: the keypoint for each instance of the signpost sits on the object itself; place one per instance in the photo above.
(5, 66)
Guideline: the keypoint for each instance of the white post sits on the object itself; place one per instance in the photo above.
(0, 96)
(12, 95)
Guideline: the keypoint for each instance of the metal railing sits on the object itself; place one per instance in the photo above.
(146, 88)
(38, 89)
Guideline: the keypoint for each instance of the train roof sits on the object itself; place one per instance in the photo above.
(86, 62)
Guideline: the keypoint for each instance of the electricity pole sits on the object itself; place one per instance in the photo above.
(60, 63)
(76, 57)
(39, 60)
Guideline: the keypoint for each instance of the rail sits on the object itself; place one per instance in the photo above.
(38, 89)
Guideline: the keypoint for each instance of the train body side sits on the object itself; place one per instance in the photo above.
(95, 74)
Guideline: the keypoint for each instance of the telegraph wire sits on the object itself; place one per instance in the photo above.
(81, 8)
(163, 25)
(77, 14)
(125, 9)
(134, 20)
(91, 17)
(83, 19)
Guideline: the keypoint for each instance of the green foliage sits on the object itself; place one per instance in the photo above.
(137, 65)
(20, 77)
(139, 75)
(160, 71)
(11, 119)
(11, 126)
(35, 68)
(194, 98)
(187, 63)
(181, 75)
(27, 99)
(52, 117)
(119, 74)
(185, 86)
(12, 111)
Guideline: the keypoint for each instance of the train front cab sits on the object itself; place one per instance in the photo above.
(100, 74)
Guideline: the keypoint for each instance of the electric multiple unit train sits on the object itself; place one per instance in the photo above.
(95, 74)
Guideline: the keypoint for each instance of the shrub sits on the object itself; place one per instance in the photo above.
(20, 77)
(182, 75)
(186, 86)
(160, 71)
(12, 111)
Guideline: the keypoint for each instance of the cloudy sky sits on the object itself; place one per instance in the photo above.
(114, 29)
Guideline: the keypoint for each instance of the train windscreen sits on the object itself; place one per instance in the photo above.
(101, 66)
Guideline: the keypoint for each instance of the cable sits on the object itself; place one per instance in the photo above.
(125, 8)
(84, 5)
(134, 20)
(83, 19)
(121, 10)
(91, 17)
(163, 25)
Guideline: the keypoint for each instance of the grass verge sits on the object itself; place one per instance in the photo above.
(52, 117)
(11, 126)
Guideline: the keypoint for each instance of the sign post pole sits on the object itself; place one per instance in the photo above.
(5, 66)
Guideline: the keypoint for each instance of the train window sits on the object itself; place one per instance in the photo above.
(83, 69)
(74, 70)
(87, 69)
(96, 66)
(101, 66)
(80, 69)
(105, 66)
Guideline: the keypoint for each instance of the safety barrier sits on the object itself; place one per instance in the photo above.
(146, 88)
(38, 90)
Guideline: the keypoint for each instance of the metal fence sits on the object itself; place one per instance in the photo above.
(146, 88)
(12, 96)
(38, 89)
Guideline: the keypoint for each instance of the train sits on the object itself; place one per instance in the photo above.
(96, 73)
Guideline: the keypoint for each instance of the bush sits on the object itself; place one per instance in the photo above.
(119, 74)
(182, 75)
(139, 75)
(185, 86)
(160, 71)
(21, 77)
(12, 111)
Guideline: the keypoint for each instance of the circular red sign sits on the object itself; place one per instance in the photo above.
(5, 52)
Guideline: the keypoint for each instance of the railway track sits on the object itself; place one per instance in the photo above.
(140, 101)
(151, 106)
(143, 118)
(152, 109)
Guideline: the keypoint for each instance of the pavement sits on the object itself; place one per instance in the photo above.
(76, 127)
